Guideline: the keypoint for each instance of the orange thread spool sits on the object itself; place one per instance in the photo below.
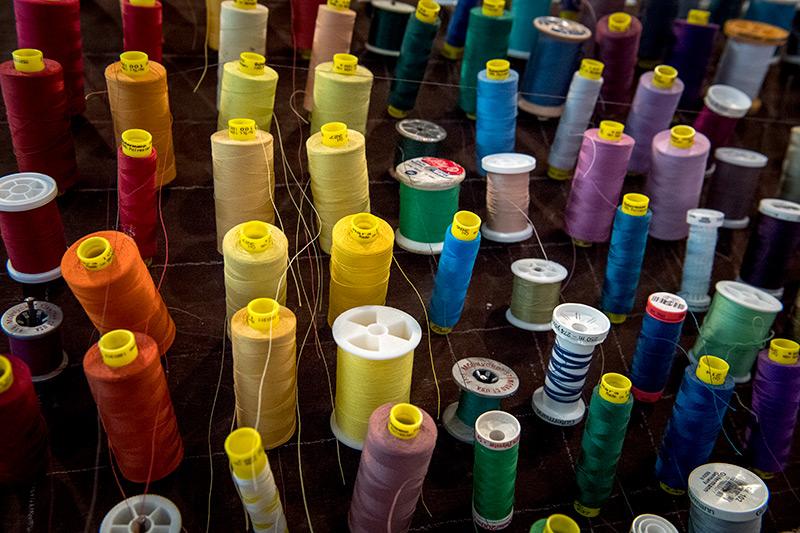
(122, 294)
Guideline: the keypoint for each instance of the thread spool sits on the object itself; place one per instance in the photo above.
(304, 18)
(38, 119)
(417, 138)
(578, 110)
(247, 90)
(240, 30)
(453, 274)
(650, 523)
(212, 23)
(507, 197)
(657, 18)
(726, 498)
(658, 341)
(145, 510)
(396, 455)
(722, 109)
(483, 383)
(141, 28)
(33, 329)
(779, 13)
(341, 93)
(698, 262)
(790, 172)
(771, 247)
(254, 481)
(735, 184)
(553, 60)
(23, 449)
(137, 166)
(387, 27)
(112, 284)
(617, 37)
(654, 106)
(523, 14)
(535, 292)
(579, 329)
(337, 163)
(137, 94)
(55, 29)
(494, 473)
(333, 34)
(737, 326)
(595, 191)
(30, 224)
(691, 52)
(495, 111)
(456, 36)
(555, 523)
(129, 386)
(374, 358)
(429, 189)
(591, 11)
(244, 176)
(256, 256)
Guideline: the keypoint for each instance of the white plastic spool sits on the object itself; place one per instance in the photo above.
(579, 329)
(508, 163)
(540, 272)
(727, 101)
(394, 7)
(496, 430)
(145, 512)
(700, 221)
(727, 493)
(650, 523)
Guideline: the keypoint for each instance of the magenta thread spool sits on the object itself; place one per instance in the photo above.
(593, 199)
(691, 51)
(735, 184)
(722, 109)
(33, 329)
(617, 39)
(507, 197)
(654, 105)
(675, 180)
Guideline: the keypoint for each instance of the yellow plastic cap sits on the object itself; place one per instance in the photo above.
(334, 134)
(263, 314)
(664, 76)
(427, 11)
(616, 318)
(137, 143)
(669, 490)
(493, 8)
(712, 370)
(95, 253)
(615, 388)
(682, 137)
(246, 453)
(252, 63)
(498, 69)
(619, 22)
(118, 348)
(28, 60)
(364, 227)
(560, 523)
(134, 63)
(339, 4)
(611, 130)
(143, 3)
(591, 69)
(404, 421)
(466, 226)
(242, 129)
(6, 373)
(784, 351)
(245, 4)
(255, 236)
(635, 204)
(345, 64)
(698, 16)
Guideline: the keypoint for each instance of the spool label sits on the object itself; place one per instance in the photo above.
(498, 69)
(667, 307)
(339, 4)
(682, 137)
(242, 129)
(252, 63)
(785, 352)
(495, 445)
(698, 16)
(720, 492)
(505, 384)
(134, 63)
(566, 29)
(614, 394)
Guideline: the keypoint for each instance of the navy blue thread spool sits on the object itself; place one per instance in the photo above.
(691, 51)
(734, 185)
(496, 110)
(33, 329)
(457, 30)
(656, 31)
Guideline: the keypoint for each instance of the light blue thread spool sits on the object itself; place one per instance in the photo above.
(699, 260)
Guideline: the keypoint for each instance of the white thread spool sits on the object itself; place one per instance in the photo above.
(726, 498)
(240, 30)
(650, 523)
(699, 260)
(579, 329)
(537, 272)
(145, 512)
(507, 197)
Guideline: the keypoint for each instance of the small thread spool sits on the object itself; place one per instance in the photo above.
(483, 383)
(429, 190)
(556, 523)
(417, 138)
(650, 523)
(617, 36)
(341, 93)
(535, 293)
(137, 167)
(579, 329)
(150, 511)
(726, 498)
(698, 262)
(735, 184)
(247, 91)
(333, 34)
(521, 39)
(141, 27)
(494, 473)
(241, 29)
(507, 197)
(496, 110)
(790, 173)
(387, 27)
(691, 52)
(33, 329)
(723, 107)
(374, 358)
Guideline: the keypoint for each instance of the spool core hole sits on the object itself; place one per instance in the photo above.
(497, 435)
(20, 188)
(116, 340)
(141, 524)
(484, 375)
(92, 249)
(577, 326)
(377, 329)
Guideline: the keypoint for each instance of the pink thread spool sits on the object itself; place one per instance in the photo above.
(723, 107)
(507, 197)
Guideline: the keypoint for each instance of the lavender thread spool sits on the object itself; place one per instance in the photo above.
(735, 184)
(675, 180)
(698, 262)
(507, 197)
(594, 196)
(691, 52)
(617, 39)
(653, 107)
(33, 329)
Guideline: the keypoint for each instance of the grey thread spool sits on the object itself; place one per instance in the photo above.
(417, 138)
(790, 176)
(726, 498)
(535, 293)
(734, 185)
(33, 329)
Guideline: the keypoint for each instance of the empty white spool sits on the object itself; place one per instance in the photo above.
(650, 523)
(145, 512)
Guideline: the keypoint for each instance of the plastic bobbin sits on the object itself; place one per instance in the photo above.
(482, 377)
(741, 158)
(394, 7)
(539, 271)
(507, 163)
(496, 430)
(578, 328)
(651, 523)
(728, 492)
(18, 325)
(727, 101)
(153, 513)
(709, 218)
(375, 332)
(782, 210)
(26, 191)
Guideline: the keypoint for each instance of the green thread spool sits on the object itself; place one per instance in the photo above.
(535, 292)
(342, 89)
(247, 91)
(389, 20)
(601, 446)
(558, 523)
(417, 138)
(494, 471)
(484, 383)
(737, 326)
(429, 189)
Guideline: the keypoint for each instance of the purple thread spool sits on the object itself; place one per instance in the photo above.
(691, 52)
(598, 181)
(392, 470)
(617, 40)
(675, 180)
(724, 106)
(735, 184)
(653, 107)
(33, 329)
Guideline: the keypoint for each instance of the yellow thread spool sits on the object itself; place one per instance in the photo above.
(615, 388)
(682, 137)
(118, 348)
(255, 236)
(137, 143)
(339, 4)
(252, 63)
(698, 16)
(245, 4)
(6, 374)
(95, 253)
(498, 69)
(465, 226)
(28, 60)
(245, 453)
(334, 134)
(427, 11)
(784, 351)
(404, 421)
(242, 129)
(345, 64)
(619, 22)
(560, 523)
(143, 3)
(712, 370)
(493, 8)
(664, 76)
(591, 69)
(635, 204)
(134, 63)
(611, 130)
(263, 314)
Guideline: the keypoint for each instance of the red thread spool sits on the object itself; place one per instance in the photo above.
(722, 109)
(111, 282)
(30, 224)
(129, 386)
(23, 447)
(141, 29)
(137, 164)
(55, 29)
(36, 107)
(304, 20)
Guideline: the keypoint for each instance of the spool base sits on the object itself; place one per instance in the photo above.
(416, 247)
(452, 52)
(32, 279)
(395, 112)
(646, 397)
(382, 51)
(455, 427)
(696, 305)
(519, 54)
(492, 525)
(516, 322)
(569, 417)
(559, 174)
(439, 330)
(161, 514)
(341, 437)
(53, 373)
(616, 318)
(539, 110)
(736, 224)
(581, 243)
(514, 236)
(588, 512)
(762, 474)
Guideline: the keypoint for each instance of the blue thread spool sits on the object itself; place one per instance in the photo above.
(553, 60)
(699, 260)
(496, 110)
(776, 12)
(658, 341)
(389, 21)
(524, 12)
(457, 29)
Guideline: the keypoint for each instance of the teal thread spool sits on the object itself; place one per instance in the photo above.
(429, 189)
(494, 471)
(524, 12)
(389, 20)
(737, 326)
(484, 383)
(417, 138)
(535, 293)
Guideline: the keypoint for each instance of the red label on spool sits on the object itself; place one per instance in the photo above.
(445, 165)
(666, 307)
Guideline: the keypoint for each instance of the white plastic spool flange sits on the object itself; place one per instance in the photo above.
(727, 101)
(650, 523)
(539, 271)
(709, 219)
(507, 163)
(157, 512)
(728, 492)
